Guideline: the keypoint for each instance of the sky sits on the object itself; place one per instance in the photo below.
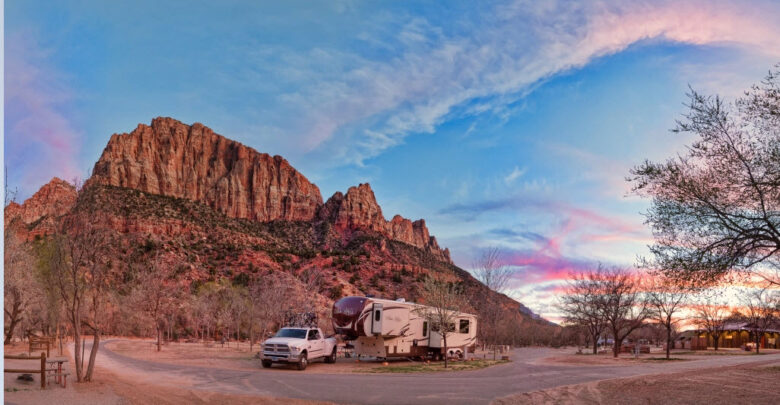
(505, 123)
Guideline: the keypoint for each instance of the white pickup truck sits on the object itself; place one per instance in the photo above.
(299, 346)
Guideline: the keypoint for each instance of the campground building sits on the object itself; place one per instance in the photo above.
(735, 335)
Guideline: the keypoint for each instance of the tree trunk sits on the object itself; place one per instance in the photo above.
(715, 341)
(92, 355)
(758, 341)
(616, 347)
(668, 341)
(14, 318)
(159, 337)
(77, 346)
(444, 336)
(595, 343)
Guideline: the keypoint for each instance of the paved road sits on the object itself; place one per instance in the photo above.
(469, 387)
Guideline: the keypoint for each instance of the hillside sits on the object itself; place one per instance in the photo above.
(213, 208)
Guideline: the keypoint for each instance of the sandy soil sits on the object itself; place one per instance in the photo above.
(110, 389)
(750, 384)
(655, 355)
(233, 357)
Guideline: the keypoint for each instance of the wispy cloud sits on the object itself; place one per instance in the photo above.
(514, 175)
(353, 111)
(40, 141)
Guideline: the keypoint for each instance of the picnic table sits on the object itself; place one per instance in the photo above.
(56, 369)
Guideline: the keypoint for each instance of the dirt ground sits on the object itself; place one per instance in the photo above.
(749, 384)
(110, 389)
(235, 357)
(655, 355)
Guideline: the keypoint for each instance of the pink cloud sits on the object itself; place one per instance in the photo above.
(40, 140)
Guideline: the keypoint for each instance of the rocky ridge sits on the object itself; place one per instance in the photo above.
(173, 159)
(38, 214)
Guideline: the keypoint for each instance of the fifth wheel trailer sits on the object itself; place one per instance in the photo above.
(387, 328)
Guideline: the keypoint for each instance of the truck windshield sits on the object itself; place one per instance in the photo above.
(292, 333)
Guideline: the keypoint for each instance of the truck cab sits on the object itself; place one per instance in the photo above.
(298, 346)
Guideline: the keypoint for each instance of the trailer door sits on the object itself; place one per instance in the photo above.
(376, 319)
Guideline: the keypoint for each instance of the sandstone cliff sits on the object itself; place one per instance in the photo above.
(39, 213)
(358, 209)
(174, 159)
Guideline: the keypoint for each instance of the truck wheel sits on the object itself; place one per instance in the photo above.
(303, 362)
(332, 357)
(267, 363)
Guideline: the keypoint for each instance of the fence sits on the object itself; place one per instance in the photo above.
(40, 343)
(42, 370)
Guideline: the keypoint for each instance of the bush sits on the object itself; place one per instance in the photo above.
(397, 277)
(336, 291)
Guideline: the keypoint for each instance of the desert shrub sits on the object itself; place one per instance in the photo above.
(336, 291)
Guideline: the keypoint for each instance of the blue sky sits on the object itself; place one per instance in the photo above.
(511, 124)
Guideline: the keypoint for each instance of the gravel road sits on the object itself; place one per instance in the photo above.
(525, 373)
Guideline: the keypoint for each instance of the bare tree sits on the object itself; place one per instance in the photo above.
(582, 304)
(715, 209)
(666, 299)
(442, 302)
(491, 271)
(155, 294)
(20, 286)
(265, 296)
(623, 307)
(760, 311)
(711, 316)
(74, 257)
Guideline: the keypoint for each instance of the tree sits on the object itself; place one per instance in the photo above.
(265, 296)
(622, 305)
(442, 301)
(20, 286)
(715, 208)
(711, 316)
(582, 304)
(760, 311)
(489, 269)
(665, 299)
(156, 295)
(77, 263)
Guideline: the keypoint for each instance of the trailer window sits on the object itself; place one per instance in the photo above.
(377, 313)
(425, 328)
(464, 326)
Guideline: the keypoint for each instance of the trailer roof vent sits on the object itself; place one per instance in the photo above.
(400, 300)
(369, 295)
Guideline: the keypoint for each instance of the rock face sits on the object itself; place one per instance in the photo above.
(40, 212)
(358, 209)
(174, 159)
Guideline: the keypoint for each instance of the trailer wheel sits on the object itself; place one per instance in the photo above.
(332, 357)
(266, 363)
(303, 362)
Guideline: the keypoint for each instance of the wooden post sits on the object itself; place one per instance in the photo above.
(43, 371)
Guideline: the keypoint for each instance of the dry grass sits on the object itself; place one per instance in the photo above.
(435, 367)
(749, 384)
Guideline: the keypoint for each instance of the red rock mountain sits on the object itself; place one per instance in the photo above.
(359, 210)
(39, 212)
(178, 160)
(211, 209)
(173, 159)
